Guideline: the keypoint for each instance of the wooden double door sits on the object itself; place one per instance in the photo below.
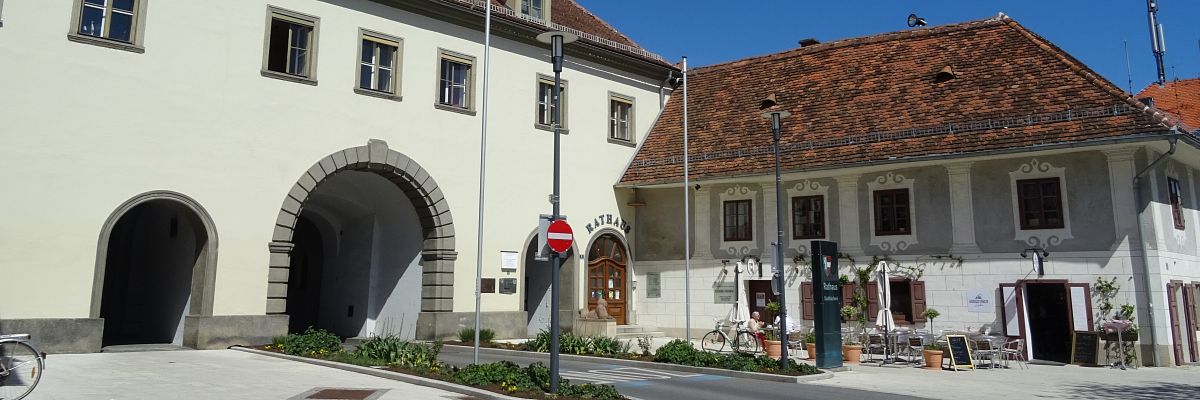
(607, 276)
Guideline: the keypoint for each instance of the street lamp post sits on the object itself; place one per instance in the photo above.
(556, 40)
(777, 266)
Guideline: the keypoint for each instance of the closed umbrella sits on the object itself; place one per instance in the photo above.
(883, 320)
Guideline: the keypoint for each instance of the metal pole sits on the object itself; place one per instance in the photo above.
(487, 48)
(556, 44)
(1157, 42)
(687, 237)
(778, 267)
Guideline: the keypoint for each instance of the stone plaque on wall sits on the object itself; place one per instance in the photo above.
(653, 285)
(724, 293)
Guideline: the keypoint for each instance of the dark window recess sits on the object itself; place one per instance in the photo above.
(738, 226)
(908, 300)
(1040, 203)
(487, 285)
(892, 212)
(288, 50)
(1176, 198)
(808, 217)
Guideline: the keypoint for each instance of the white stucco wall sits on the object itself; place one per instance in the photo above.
(86, 127)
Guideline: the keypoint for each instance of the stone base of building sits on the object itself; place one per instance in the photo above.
(446, 325)
(222, 331)
(595, 327)
(59, 335)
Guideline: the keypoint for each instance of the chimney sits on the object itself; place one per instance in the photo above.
(809, 42)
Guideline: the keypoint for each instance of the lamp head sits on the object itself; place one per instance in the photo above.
(915, 21)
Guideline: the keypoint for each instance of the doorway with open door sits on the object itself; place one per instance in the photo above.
(1045, 314)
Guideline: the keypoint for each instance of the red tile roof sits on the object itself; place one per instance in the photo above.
(1180, 99)
(879, 99)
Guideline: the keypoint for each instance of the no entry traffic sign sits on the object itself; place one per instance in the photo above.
(559, 236)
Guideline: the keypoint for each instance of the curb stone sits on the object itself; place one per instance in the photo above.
(826, 374)
(382, 373)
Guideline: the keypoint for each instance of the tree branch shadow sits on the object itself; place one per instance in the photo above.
(1151, 390)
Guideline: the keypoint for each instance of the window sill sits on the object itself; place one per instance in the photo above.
(376, 93)
(102, 42)
(549, 128)
(622, 142)
(289, 77)
(459, 110)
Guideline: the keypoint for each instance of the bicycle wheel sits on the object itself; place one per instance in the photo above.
(713, 341)
(746, 342)
(20, 370)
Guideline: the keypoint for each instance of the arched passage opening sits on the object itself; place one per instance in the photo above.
(364, 244)
(536, 301)
(155, 266)
(355, 265)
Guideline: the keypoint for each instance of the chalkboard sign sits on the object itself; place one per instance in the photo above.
(960, 352)
(1085, 348)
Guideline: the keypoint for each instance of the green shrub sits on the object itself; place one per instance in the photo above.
(677, 351)
(313, 342)
(682, 352)
(568, 343)
(590, 391)
(467, 335)
(504, 373)
(399, 353)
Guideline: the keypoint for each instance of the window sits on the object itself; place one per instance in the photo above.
(620, 118)
(1176, 202)
(532, 8)
(892, 212)
(545, 103)
(110, 23)
(808, 217)
(378, 64)
(1040, 203)
(291, 49)
(908, 299)
(738, 226)
(456, 77)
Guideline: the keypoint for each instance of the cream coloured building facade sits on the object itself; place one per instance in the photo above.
(198, 172)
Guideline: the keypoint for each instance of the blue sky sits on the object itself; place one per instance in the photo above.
(1095, 31)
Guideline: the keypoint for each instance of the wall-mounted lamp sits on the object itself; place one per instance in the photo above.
(1039, 259)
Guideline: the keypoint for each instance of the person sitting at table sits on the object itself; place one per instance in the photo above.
(755, 325)
(791, 324)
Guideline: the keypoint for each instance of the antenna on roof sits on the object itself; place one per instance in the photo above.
(1128, 67)
(915, 21)
(1158, 42)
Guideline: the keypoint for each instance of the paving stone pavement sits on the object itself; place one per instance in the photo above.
(208, 374)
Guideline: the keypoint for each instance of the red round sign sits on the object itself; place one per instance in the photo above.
(559, 236)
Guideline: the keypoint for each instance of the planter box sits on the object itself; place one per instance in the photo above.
(1127, 336)
(595, 327)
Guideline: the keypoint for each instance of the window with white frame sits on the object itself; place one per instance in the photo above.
(893, 211)
(291, 47)
(736, 216)
(545, 103)
(378, 63)
(456, 74)
(109, 19)
(1175, 194)
(620, 118)
(533, 8)
(1040, 206)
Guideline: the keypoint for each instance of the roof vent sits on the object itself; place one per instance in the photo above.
(945, 74)
(809, 42)
(1148, 101)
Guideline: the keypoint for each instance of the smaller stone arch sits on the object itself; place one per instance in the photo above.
(203, 279)
(438, 253)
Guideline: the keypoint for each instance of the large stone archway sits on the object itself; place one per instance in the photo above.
(438, 253)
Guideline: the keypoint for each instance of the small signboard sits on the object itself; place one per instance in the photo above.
(653, 285)
(724, 293)
(960, 352)
(508, 285)
(508, 261)
(1085, 348)
(980, 301)
(487, 285)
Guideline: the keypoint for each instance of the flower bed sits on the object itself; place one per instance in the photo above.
(531, 382)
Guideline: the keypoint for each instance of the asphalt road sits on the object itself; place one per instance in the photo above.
(653, 384)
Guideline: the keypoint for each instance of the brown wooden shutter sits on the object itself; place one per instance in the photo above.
(918, 300)
(1172, 304)
(872, 300)
(847, 295)
(806, 300)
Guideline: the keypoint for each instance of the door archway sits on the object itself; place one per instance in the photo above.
(417, 189)
(536, 290)
(608, 277)
(155, 265)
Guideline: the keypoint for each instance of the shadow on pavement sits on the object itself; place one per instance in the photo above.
(1155, 390)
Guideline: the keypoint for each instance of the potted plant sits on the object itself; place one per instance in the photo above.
(810, 344)
(930, 314)
(772, 310)
(773, 346)
(933, 357)
(851, 349)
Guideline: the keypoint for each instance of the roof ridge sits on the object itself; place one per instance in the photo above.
(606, 24)
(861, 40)
(1087, 73)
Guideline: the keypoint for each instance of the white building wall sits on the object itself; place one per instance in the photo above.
(87, 127)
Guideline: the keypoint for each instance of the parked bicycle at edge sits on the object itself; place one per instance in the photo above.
(21, 366)
(743, 341)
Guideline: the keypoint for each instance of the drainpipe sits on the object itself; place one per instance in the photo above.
(1137, 193)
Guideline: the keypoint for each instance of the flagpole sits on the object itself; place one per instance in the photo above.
(687, 237)
(487, 48)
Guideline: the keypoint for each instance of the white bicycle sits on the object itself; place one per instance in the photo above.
(21, 366)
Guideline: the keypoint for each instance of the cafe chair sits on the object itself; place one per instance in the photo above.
(916, 347)
(1014, 350)
(875, 343)
(984, 350)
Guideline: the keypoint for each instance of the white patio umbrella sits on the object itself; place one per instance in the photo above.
(884, 319)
